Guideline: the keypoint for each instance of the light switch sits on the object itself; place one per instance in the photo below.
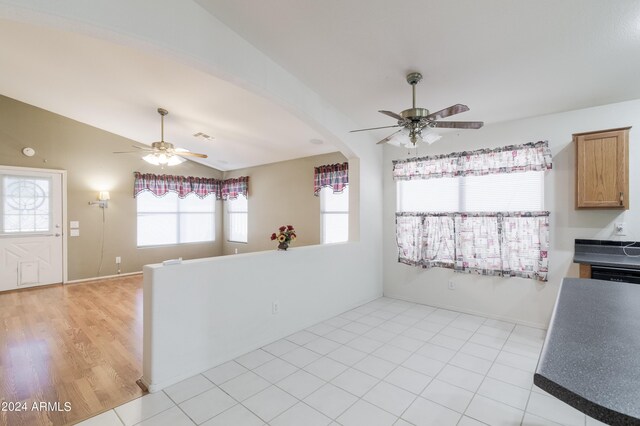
(74, 224)
(75, 232)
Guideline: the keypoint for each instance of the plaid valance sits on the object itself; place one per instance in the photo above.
(334, 176)
(533, 156)
(159, 185)
(231, 188)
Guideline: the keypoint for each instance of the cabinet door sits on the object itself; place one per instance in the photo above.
(602, 170)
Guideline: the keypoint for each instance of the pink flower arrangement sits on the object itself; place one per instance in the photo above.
(285, 234)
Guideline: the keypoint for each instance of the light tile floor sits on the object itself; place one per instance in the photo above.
(387, 362)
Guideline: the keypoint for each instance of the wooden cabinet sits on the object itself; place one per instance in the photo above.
(602, 169)
(585, 270)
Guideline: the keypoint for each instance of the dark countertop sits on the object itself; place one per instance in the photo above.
(614, 260)
(591, 356)
(618, 254)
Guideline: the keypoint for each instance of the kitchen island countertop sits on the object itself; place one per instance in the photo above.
(591, 355)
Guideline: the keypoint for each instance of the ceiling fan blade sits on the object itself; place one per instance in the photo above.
(459, 124)
(388, 138)
(139, 148)
(392, 115)
(374, 128)
(191, 154)
(452, 110)
(132, 152)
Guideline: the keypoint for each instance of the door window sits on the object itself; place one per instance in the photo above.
(25, 204)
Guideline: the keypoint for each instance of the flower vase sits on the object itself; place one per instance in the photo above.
(283, 246)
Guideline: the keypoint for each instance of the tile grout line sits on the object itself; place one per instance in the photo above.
(448, 324)
(118, 415)
(358, 398)
(155, 414)
(347, 367)
(485, 377)
(416, 396)
(352, 367)
(448, 362)
(194, 396)
(298, 369)
(530, 390)
(387, 375)
(458, 351)
(371, 313)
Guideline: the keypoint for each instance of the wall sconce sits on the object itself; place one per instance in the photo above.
(103, 200)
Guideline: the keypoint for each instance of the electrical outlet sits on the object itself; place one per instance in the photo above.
(118, 259)
(620, 228)
(451, 285)
(275, 307)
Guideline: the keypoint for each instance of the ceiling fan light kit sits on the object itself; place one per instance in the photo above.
(417, 122)
(401, 138)
(164, 153)
(162, 159)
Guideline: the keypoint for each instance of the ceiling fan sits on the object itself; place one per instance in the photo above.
(164, 153)
(415, 120)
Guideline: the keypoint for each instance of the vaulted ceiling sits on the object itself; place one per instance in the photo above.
(505, 59)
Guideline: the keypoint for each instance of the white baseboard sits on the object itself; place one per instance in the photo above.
(473, 312)
(106, 277)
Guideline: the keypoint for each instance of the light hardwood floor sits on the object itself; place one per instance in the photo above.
(79, 343)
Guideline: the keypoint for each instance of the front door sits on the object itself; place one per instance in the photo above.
(30, 228)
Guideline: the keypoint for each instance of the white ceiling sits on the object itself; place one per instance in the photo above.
(118, 89)
(505, 59)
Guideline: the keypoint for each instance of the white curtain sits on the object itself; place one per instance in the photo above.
(513, 244)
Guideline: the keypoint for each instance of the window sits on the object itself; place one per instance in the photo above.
(25, 204)
(238, 215)
(489, 193)
(334, 215)
(172, 220)
(479, 212)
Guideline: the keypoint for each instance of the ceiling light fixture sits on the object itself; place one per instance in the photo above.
(416, 123)
(163, 159)
(164, 151)
(410, 137)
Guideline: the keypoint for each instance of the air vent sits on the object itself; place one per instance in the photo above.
(201, 135)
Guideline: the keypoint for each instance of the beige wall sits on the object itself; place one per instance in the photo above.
(279, 193)
(86, 153)
(282, 194)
